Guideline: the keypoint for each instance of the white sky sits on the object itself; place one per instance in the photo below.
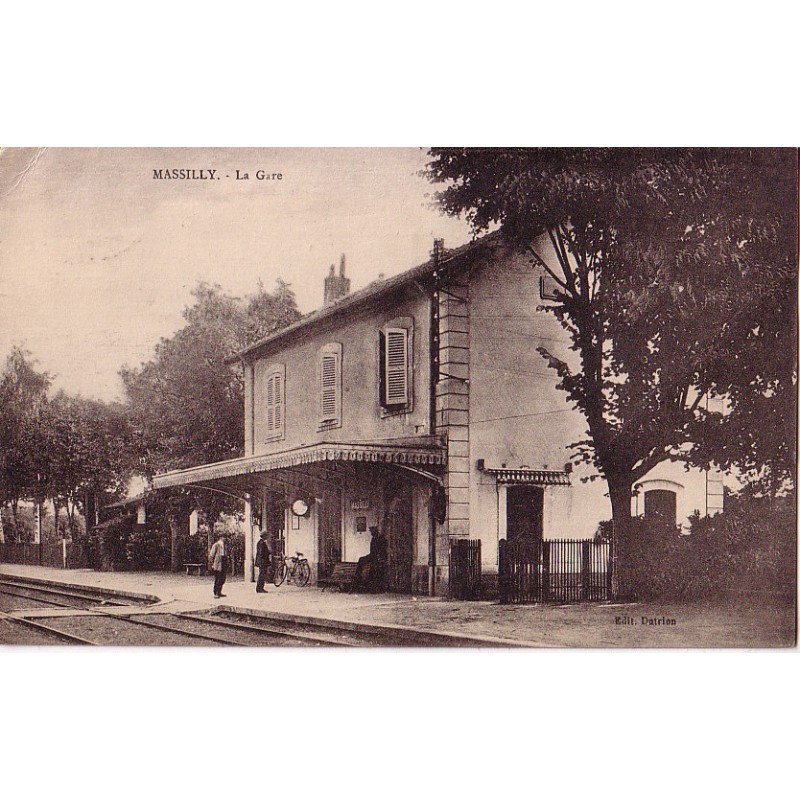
(98, 259)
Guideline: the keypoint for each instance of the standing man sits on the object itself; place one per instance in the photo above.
(218, 563)
(380, 554)
(263, 561)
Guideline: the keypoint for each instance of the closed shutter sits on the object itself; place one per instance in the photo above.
(396, 366)
(278, 402)
(274, 403)
(330, 383)
(270, 404)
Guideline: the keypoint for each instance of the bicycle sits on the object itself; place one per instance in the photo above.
(293, 568)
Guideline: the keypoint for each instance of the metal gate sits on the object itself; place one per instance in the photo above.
(465, 569)
(557, 570)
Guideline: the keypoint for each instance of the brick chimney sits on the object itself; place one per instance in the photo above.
(336, 286)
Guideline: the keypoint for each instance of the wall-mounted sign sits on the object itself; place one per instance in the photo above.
(359, 505)
(361, 524)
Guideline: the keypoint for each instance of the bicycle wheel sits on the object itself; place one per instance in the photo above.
(280, 574)
(303, 574)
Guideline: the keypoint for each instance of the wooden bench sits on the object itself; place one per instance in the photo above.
(343, 576)
(195, 569)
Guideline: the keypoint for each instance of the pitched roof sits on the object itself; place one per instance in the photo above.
(374, 291)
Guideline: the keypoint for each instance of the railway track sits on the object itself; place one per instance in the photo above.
(105, 626)
(48, 631)
(103, 618)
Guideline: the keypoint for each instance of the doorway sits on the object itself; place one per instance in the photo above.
(330, 533)
(399, 533)
(524, 515)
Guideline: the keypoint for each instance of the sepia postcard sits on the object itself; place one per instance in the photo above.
(399, 397)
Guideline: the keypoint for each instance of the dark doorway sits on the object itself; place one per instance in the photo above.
(661, 504)
(524, 514)
(274, 523)
(399, 532)
(330, 533)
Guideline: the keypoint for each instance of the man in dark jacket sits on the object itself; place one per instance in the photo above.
(262, 561)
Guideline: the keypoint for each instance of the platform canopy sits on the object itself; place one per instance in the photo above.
(423, 458)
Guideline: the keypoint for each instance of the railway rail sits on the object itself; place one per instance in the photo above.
(83, 616)
(109, 627)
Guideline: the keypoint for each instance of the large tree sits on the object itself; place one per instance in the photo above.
(676, 282)
(186, 404)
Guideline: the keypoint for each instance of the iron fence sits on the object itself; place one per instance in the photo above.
(56, 554)
(465, 569)
(554, 570)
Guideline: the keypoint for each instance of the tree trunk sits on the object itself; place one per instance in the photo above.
(178, 519)
(621, 577)
(15, 517)
(71, 518)
(56, 512)
(89, 510)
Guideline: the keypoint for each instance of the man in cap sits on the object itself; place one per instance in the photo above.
(218, 563)
(262, 561)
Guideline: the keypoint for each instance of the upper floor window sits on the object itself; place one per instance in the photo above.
(330, 384)
(395, 367)
(275, 401)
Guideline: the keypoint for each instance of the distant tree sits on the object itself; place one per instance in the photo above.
(676, 282)
(186, 405)
(23, 395)
(82, 449)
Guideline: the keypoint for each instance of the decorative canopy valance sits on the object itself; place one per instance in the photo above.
(250, 465)
(530, 477)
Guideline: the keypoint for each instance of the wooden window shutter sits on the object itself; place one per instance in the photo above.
(270, 404)
(396, 366)
(330, 386)
(274, 403)
(278, 402)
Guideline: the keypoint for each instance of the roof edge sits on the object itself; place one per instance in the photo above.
(372, 291)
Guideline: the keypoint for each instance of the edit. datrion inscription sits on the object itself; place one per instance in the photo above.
(628, 620)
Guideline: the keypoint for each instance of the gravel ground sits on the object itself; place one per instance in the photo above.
(239, 637)
(14, 633)
(107, 630)
(327, 635)
(742, 624)
(10, 602)
(590, 625)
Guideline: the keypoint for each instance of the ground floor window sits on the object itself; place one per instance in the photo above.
(661, 504)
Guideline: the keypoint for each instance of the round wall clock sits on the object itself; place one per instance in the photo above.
(300, 508)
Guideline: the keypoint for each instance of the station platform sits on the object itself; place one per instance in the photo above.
(191, 593)
(584, 625)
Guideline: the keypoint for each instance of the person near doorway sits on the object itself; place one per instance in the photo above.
(379, 550)
(218, 563)
(263, 561)
(374, 563)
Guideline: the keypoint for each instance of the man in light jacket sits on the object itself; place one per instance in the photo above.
(218, 563)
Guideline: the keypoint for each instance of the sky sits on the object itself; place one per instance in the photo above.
(98, 258)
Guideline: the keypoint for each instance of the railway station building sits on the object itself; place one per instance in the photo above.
(420, 404)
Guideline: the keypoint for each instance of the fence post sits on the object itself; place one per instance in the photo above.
(502, 571)
(64, 552)
(586, 569)
(545, 570)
